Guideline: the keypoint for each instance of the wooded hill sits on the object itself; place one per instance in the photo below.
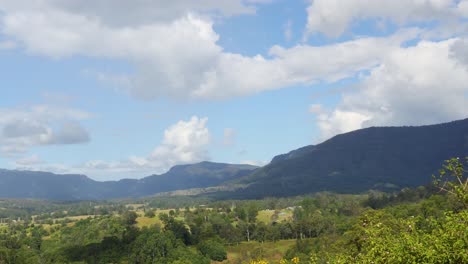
(383, 158)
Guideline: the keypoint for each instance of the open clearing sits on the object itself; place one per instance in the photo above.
(271, 251)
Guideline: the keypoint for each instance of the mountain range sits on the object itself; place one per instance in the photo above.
(45, 185)
(386, 158)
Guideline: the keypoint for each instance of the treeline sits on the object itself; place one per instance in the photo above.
(29, 210)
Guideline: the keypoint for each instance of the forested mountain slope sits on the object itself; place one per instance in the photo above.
(371, 158)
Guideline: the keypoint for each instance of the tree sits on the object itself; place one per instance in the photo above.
(150, 214)
(129, 218)
(213, 249)
(453, 179)
(178, 228)
(153, 245)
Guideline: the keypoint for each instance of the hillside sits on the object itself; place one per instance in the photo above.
(44, 185)
(372, 158)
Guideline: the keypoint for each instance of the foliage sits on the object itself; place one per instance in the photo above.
(453, 179)
(213, 249)
(150, 214)
(419, 225)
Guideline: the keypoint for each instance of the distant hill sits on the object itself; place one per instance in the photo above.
(371, 158)
(44, 185)
(385, 158)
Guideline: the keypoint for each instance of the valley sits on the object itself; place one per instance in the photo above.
(315, 228)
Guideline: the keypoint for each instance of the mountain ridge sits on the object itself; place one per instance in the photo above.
(361, 160)
(47, 185)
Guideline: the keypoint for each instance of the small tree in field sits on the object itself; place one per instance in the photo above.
(150, 214)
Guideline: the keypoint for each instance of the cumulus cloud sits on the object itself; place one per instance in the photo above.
(70, 133)
(137, 12)
(40, 125)
(184, 142)
(23, 128)
(6, 45)
(333, 17)
(418, 85)
(174, 50)
(459, 51)
(180, 57)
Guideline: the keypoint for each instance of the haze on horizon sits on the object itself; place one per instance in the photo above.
(125, 89)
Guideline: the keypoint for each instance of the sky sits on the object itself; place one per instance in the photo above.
(128, 88)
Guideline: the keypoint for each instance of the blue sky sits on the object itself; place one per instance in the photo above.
(124, 89)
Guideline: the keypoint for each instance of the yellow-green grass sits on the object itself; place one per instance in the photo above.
(156, 212)
(75, 218)
(143, 221)
(271, 251)
(135, 206)
(265, 216)
(285, 215)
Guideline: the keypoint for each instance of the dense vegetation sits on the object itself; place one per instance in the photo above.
(421, 225)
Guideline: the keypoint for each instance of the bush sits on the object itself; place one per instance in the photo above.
(150, 214)
(213, 249)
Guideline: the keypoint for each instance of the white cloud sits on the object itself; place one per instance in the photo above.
(459, 52)
(180, 57)
(185, 142)
(175, 53)
(118, 13)
(339, 121)
(125, 12)
(301, 65)
(418, 85)
(6, 45)
(333, 17)
(28, 161)
(70, 133)
(40, 125)
(258, 163)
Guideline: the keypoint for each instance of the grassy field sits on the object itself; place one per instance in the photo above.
(271, 251)
(266, 216)
(143, 221)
